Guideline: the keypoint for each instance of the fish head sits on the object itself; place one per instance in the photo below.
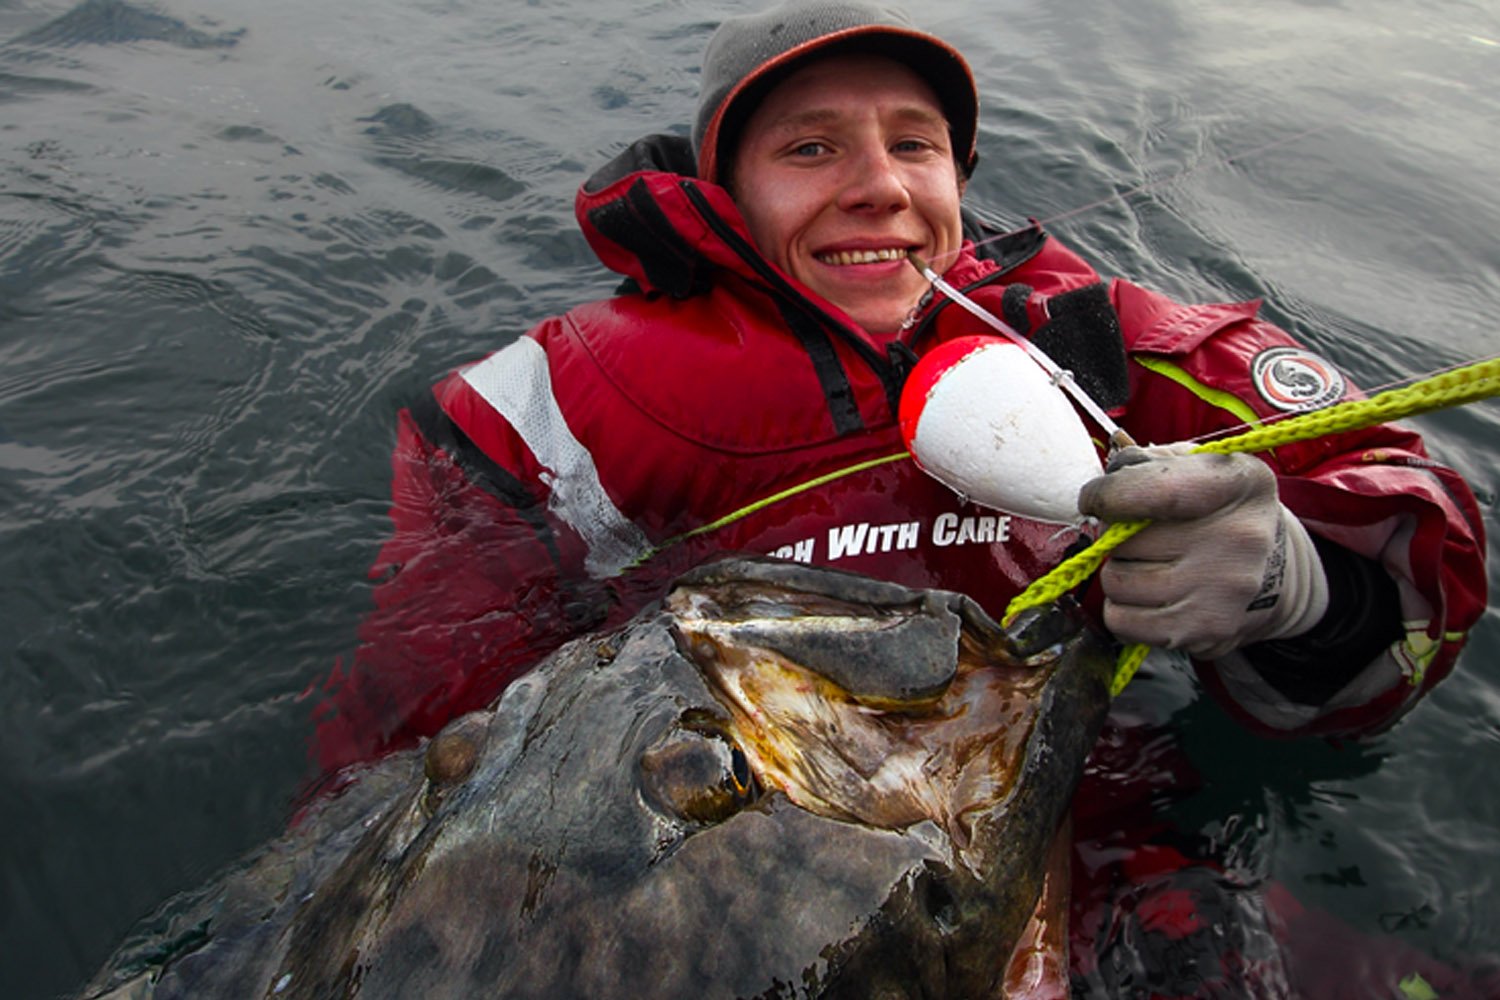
(786, 776)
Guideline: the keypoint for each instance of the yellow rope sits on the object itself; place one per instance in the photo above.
(1451, 388)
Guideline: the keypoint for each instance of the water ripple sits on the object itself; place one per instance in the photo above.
(111, 22)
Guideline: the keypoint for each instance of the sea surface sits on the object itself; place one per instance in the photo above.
(235, 238)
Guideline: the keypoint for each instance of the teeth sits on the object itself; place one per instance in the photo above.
(861, 256)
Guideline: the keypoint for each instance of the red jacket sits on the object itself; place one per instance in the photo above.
(717, 406)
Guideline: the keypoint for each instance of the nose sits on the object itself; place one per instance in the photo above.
(875, 184)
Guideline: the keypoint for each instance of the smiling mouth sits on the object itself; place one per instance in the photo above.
(845, 257)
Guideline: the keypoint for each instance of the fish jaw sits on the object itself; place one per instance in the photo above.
(947, 761)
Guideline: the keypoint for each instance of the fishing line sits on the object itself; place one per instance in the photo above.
(1185, 173)
(1147, 186)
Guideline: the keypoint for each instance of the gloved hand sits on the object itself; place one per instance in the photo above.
(1223, 563)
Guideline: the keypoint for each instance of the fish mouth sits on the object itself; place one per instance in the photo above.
(890, 767)
(939, 734)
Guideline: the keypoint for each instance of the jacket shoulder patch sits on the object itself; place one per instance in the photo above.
(1293, 379)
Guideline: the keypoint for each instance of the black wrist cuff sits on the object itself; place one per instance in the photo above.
(1363, 618)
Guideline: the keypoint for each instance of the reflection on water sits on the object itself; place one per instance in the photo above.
(234, 238)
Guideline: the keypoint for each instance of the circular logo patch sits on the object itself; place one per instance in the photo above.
(1294, 379)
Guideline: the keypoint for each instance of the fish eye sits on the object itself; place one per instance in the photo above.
(700, 777)
(739, 770)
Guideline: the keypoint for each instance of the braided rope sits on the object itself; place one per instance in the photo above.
(1455, 387)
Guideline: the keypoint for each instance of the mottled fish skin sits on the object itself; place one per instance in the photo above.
(690, 806)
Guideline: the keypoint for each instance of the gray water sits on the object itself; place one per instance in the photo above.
(236, 237)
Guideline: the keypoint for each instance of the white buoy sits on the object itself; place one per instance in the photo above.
(981, 417)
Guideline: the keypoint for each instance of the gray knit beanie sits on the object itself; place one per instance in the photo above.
(749, 55)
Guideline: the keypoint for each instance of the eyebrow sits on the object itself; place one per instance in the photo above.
(823, 116)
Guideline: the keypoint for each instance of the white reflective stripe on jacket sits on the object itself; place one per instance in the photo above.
(517, 383)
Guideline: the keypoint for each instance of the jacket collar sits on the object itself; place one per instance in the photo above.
(648, 218)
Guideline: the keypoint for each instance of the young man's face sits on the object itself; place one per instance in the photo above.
(843, 168)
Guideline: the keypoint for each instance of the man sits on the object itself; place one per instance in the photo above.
(739, 394)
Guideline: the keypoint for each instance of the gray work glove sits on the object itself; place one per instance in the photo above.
(1222, 564)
